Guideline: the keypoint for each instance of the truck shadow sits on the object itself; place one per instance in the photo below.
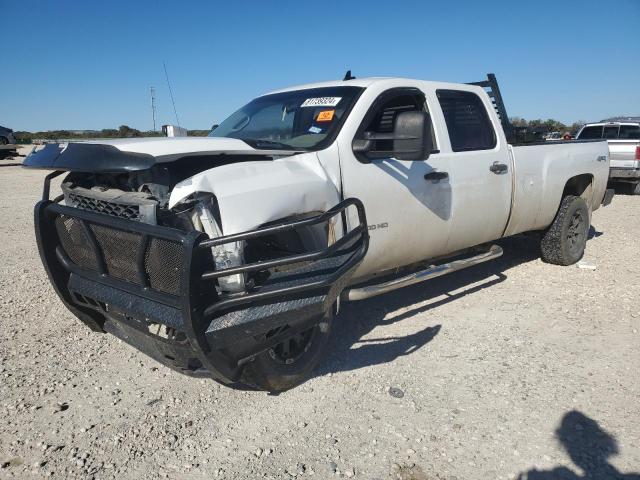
(593, 233)
(589, 446)
(349, 351)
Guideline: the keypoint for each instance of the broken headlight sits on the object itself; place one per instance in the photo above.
(224, 256)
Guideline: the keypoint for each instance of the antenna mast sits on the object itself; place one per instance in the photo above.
(153, 107)
(171, 93)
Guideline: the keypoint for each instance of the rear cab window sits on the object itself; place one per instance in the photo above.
(467, 120)
(629, 132)
(611, 132)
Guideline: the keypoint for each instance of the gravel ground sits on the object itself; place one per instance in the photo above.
(511, 369)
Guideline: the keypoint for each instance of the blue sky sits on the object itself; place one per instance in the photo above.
(89, 64)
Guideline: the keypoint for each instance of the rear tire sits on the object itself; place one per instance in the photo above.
(291, 362)
(565, 240)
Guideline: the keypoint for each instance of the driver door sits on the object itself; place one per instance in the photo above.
(408, 202)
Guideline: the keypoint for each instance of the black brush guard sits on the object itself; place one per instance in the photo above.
(127, 278)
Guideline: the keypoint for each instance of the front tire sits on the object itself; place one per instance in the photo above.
(291, 362)
(565, 240)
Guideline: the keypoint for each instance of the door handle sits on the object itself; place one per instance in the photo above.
(497, 167)
(436, 175)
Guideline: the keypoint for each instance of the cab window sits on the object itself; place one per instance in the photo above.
(384, 111)
(467, 121)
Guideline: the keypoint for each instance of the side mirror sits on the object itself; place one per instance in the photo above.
(410, 140)
(214, 126)
(412, 136)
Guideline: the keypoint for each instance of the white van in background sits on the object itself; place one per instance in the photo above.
(174, 131)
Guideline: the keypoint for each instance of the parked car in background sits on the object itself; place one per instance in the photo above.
(623, 138)
(6, 136)
(553, 136)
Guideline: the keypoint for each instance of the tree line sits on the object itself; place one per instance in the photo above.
(123, 131)
(549, 125)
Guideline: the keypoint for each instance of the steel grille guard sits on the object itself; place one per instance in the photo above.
(221, 333)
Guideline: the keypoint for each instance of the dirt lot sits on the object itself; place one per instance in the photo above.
(514, 368)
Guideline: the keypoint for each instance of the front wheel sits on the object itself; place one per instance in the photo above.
(565, 240)
(292, 361)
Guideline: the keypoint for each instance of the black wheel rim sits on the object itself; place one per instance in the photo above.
(290, 350)
(576, 232)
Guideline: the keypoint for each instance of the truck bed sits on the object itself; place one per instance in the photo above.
(541, 171)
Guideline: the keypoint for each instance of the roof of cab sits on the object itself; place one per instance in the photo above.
(367, 82)
(600, 124)
(356, 82)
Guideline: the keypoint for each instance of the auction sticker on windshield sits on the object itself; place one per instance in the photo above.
(325, 115)
(321, 102)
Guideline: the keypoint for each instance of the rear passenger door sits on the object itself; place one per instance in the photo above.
(480, 168)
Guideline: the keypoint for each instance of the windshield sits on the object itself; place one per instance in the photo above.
(591, 132)
(296, 120)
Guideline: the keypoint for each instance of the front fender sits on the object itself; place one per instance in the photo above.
(250, 194)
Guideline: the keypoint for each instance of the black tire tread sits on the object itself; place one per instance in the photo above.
(552, 242)
(258, 374)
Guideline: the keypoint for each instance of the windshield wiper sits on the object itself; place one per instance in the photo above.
(268, 143)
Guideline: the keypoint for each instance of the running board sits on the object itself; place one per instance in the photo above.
(432, 272)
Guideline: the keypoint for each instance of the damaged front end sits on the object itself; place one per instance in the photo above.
(171, 284)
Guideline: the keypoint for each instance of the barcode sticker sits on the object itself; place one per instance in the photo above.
(321, 102)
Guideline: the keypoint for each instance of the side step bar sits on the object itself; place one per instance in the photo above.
(433, 271)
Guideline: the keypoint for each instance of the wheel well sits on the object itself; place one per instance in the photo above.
(580, 186)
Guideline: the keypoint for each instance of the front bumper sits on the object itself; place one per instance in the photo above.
(616, 173)
(129, 279)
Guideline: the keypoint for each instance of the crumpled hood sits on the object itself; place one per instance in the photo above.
(126, 155)
(250, 194)
(161, 147)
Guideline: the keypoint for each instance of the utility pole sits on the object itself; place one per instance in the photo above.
(153, 107)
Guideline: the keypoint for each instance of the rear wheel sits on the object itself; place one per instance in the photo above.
(565, 240)
(290, 362)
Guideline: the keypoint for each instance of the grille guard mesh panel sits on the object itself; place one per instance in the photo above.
(162, 262)
(120, 251)
(75, 242)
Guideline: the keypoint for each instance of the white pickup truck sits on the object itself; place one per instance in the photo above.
(228, 256)
(623, 137)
